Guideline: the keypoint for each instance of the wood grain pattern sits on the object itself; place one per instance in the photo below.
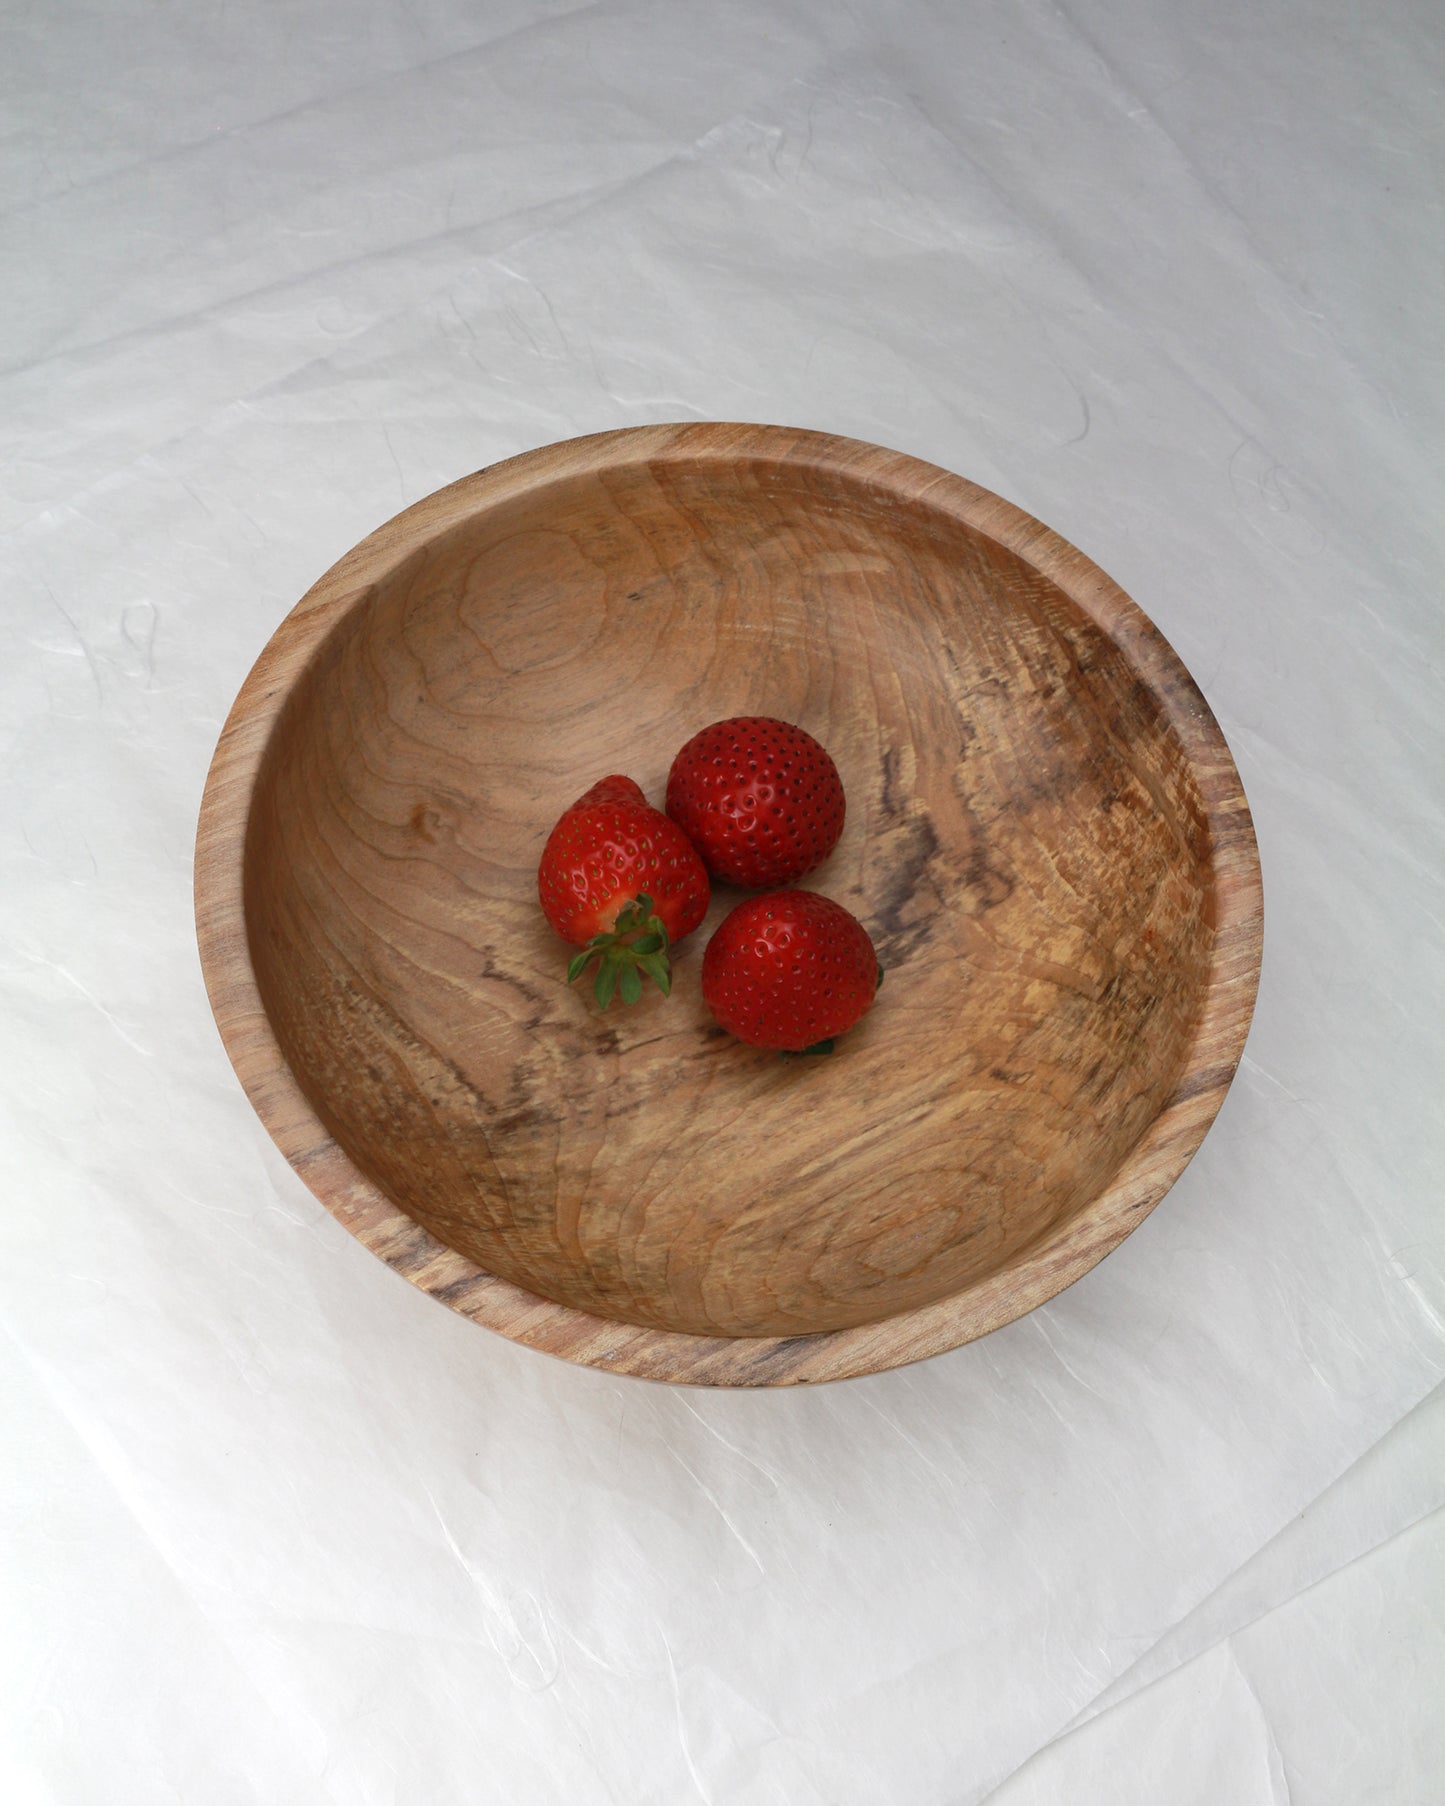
(1046, 837)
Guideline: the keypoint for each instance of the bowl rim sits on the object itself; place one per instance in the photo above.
(1044, 1268)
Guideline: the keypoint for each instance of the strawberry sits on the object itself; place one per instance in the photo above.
(759, 799)
(621, 881)
(791, 970)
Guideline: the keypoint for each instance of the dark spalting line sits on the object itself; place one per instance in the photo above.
(539, 1004)
(412, 1254)
(988, 887)
(785, 1352)
(457, 1290)
(1201, 1083)
(911, 847)
(527, 1116)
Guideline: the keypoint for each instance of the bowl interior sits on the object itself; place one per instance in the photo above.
(1025, 841)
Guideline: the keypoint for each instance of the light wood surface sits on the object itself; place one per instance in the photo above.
(1046, 838)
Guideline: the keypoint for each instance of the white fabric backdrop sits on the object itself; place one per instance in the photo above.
(277, 1527)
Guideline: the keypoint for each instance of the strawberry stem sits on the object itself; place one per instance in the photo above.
(636, 945)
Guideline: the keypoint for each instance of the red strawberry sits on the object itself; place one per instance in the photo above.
(611, 790)
(621, 881)
(790, 970)
(759, 799)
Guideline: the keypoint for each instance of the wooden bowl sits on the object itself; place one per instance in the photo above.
(1046, 837)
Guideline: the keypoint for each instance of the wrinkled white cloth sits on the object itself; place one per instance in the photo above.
(278, 1528)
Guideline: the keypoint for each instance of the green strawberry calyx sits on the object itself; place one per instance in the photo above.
(635, 945)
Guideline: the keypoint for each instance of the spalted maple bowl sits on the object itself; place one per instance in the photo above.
(1046, 837)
